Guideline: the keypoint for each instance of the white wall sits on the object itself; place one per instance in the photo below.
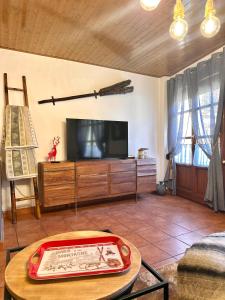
(48, 77)
(162, 128)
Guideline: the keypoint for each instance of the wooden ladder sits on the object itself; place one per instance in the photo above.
(12, 182)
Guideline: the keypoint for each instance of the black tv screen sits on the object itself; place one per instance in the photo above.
(95, 139)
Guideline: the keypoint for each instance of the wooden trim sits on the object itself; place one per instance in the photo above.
(186, 165)
(191, 182)
(26, 103)
(87, 63)
(15, 89)
(189, 195)
(6, 89)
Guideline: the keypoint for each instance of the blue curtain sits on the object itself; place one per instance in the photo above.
(206, 95)
(204, 86)
(178, 106)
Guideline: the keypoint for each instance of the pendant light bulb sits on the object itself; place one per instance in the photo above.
(149, 4)
(179, 27)
(210, 26)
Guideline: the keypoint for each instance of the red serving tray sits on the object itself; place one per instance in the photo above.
(103, 248)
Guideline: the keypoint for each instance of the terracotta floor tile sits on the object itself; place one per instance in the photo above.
(87, 226)
(2, 257)
(134, 225)
(26, 219)
(119, 229)
(152, 234)
(118, 215)
(136, 239)
(152, 254)
(2, 283)
(30, 237)
(105, 222)
(178, 257)
(217, 227)
(64, 213)
(9, 229)
(172, 246)
(2, 293)
(157, 221)
(205, 231)
(194, 224)
(173, 229)
(51, 218)
(55, 228)
(165, 262)
(27, 227)
(10, 241)
(76, 219)
(190, 238)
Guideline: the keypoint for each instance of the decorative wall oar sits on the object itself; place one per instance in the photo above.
(115, 89)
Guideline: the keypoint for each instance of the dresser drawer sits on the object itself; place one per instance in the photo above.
(121, 177)
(123, 167)
(145, 170)
(60, 166)
(122, 188)
(58, 177)
(94, 168)
(91, 180)
(58, 195)
(93, 192)
(146, 184)
(146, 161)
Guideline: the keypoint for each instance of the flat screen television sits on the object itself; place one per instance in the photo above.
(96, 139)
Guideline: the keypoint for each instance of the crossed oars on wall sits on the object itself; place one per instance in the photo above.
(115, 89)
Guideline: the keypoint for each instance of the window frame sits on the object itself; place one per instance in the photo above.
(193, 138)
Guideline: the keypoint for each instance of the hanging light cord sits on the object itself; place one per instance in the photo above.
(178, 10)
(209, 9)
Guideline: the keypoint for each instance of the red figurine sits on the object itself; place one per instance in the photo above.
(53, 152)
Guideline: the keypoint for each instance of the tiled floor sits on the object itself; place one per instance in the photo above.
(162, 228)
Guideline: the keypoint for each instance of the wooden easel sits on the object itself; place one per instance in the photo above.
(12, 182)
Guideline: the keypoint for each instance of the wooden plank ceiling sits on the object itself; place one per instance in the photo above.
(117, 34)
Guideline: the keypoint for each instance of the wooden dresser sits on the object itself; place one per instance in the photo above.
(69, 182)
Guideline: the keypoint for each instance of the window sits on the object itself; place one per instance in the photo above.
(206, 114)
(191, 152)
(185, 125)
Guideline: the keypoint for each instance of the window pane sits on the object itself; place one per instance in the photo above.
(187, 126)
(200, 159)
(185, 156)
(204, 121)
